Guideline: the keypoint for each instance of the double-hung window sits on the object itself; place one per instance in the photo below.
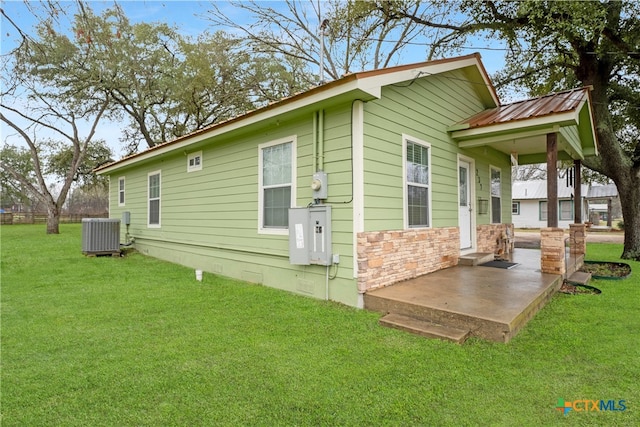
(515, 208)
(566, 210)
(153, 219)
(121, 191)
(417, 166)
(543, 210)
(276, 180)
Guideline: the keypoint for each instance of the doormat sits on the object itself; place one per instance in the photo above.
(500, 264)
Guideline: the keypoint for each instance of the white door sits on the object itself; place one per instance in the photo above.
(464, 204)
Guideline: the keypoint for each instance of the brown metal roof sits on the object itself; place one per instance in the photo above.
(555, 103)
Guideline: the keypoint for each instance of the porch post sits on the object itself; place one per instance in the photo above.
(552, 251)
(578, 230)
(552, 180)
(577, 192)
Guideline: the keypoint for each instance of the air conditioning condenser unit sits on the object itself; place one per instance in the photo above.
(100, 236)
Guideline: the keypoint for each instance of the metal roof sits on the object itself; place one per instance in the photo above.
(603, 191)
(555, 103)
(537, 190)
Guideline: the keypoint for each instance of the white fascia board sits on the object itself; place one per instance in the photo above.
(489, 139)
(356, 86)
(545, 123)
(385, 79)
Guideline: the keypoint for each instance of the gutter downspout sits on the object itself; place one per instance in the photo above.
(315, 140)
(321, 140)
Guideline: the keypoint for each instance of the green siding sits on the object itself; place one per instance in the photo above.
(424, 109)
(209, 218)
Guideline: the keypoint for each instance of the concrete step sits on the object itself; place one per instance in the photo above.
(424, 328)
(476, 258)
(579, 278)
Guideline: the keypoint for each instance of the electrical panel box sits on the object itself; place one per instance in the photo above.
(310, 235)
(126, 217)
(299, 236)
(319, 185)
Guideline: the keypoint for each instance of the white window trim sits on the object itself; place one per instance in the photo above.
(158, 225)
(294, 173)
(517, 212)
(491, 169)
(122, 191)
(405, 193)
(193, 156)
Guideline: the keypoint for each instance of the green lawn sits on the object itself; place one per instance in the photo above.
(136, 341)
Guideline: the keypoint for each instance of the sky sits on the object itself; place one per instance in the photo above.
(190, 18)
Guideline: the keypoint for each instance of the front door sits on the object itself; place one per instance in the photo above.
(464, 204)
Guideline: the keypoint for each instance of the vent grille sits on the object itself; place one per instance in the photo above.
(100, 235)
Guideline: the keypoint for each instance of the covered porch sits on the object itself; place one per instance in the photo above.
(459, 301)
(550, 129)
(464, 301)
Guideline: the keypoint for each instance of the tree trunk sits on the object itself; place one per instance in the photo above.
(617, 165)
(53, 220)
(629, 192)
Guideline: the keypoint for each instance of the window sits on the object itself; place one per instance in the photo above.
(515, 208)
(121, 191)
(154, 199)
(543, 210)
(277, 192)
(566, 210)
(194, 161)
(496, 191)
(417, 183)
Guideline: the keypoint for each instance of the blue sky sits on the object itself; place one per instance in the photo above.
(190, 18)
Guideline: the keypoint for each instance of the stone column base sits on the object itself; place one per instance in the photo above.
(552, 251)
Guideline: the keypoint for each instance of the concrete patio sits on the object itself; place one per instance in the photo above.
(463, 301)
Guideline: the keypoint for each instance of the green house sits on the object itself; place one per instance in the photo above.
(394, 173)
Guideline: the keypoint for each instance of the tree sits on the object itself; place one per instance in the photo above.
(14, 193)
(32, 108)
(59, 162)
(163, 83)
(356, 36)
(559, 45)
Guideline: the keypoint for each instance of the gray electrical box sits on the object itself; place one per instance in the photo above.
(126, 217)
(310, 235)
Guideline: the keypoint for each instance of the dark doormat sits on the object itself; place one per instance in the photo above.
(500, 264)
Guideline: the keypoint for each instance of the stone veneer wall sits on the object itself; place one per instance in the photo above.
(387, 257)
(552, 248)
(578, 239)
(489, 236)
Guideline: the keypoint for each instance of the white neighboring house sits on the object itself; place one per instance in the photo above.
(529, 204)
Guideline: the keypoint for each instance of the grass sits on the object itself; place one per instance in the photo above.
(137, 341)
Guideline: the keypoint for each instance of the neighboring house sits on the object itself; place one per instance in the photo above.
(529, 205)
(394, 173)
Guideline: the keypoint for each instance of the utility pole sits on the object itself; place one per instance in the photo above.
(323, 26)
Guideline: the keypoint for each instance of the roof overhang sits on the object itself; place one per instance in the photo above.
(363, 86)
(526, 138)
